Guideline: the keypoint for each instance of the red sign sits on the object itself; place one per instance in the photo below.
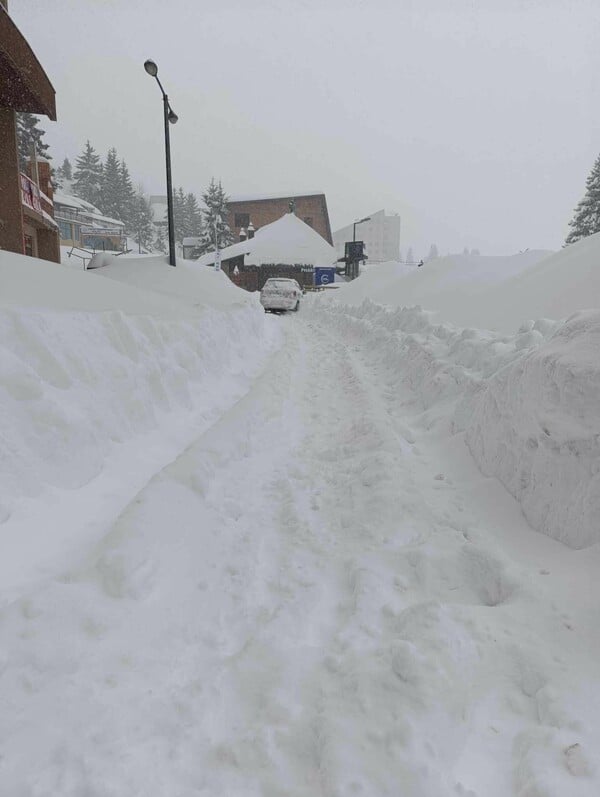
(30, 194)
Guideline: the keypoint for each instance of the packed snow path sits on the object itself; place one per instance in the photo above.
(317, 598)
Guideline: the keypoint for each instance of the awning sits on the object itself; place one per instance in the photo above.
(24, 86)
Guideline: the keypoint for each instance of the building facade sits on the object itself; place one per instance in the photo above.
(381, 235)
(82, 225)
(26, 208)
(262, 210)
(287, 247)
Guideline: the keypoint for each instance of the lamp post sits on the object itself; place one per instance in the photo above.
(170, 118)
(360, 221)
(355, 262)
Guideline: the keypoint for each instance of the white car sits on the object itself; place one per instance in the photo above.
(280, 293)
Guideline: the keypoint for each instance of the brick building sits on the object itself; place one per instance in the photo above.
(26, 207)
(262, 210)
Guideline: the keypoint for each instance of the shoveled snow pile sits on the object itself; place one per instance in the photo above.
(91, 361)
(490, 292)
(527, 402)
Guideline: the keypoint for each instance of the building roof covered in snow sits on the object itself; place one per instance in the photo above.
(288, 240)
(88, 211)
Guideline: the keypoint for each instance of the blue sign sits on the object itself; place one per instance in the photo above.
(324, 276)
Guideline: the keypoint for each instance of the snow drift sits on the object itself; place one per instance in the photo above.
(89, 360)
(527, 402)
(497, 293)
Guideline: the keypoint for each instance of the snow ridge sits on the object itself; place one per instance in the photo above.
(527, 403)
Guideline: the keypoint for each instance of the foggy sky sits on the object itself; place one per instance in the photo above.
(477, 121)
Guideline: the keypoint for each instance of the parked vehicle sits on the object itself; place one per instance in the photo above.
(280, 294)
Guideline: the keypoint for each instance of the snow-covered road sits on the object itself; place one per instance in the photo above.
(318, 597)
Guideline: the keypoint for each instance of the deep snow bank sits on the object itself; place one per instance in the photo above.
(90, 359)
(536, 426)
(498, 293)
(460, 289)
(527, 402)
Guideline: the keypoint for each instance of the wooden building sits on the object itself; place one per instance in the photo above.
(27, 225)
(262, 210)
(287, 247)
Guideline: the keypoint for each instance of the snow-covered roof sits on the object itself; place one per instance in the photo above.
(278, 195)
(191, 241)
(90, 211)
(287, 240)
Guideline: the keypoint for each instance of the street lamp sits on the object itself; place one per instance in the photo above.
(170, 118)
(354, 265)
(366, 218)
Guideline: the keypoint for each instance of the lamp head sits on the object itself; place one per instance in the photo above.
(172, 116)
(151, 68)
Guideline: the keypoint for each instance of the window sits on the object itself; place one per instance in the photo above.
(65, 230)
(241, 220)
(308, 220)
(29, 251)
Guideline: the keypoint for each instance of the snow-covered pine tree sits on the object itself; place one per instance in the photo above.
(126, 198)
(142, 219)
(30, 134)
(87, 177)
(433, 252)
(110, 193)
(586, 219)
(67, 169)
(178, 215)
(160, 241)
(214, 214)
(192, 216)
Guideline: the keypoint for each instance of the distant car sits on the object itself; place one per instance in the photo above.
(280, 294)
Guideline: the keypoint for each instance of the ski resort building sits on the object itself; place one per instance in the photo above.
(27, 225)
(288, 247)
(82, 225)
(265, 209)
(381, 235)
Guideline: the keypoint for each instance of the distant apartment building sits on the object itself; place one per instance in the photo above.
(381, 235)
(263, 209)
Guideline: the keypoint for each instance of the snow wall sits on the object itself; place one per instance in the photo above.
(527, 403)
(75, 383)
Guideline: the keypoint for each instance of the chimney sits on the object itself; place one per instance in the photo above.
(250, 231)
(243, 235)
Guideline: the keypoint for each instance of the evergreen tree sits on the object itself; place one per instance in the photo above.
(192, 216)
(586, 220)
(214, 216)
(88, 177)
(67, 169)
(142, 218)
(178, 215)
(433, 252)
(110, 187)
(160, 242)
(126, 198)
(29, 136)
